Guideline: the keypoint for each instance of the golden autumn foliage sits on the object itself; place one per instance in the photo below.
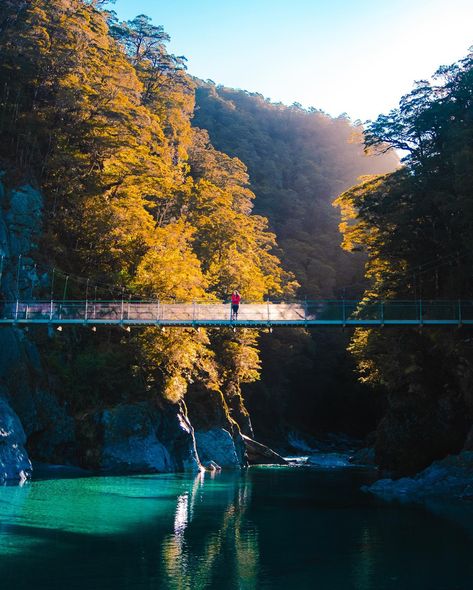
(99, 114)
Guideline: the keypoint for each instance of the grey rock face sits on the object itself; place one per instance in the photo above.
(14, 461)
(217, 445)
(54, 440)
(209, 412)
(140, 437)
(20, 226)
(450, 477)
(48, 428)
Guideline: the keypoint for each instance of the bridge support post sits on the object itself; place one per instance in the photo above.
(16, 310)
(51, 310)
(86, 300)
(382, 313)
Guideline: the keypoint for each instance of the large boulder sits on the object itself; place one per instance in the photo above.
(14, 461)
(213, 424)
(217, 446)
(450, 477)
(138, 438)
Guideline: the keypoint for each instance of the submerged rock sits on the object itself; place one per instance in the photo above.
(450, 477)
(14, 461)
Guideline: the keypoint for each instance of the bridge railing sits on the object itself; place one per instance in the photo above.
(323, 311)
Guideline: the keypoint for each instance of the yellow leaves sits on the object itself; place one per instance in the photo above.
(176, 358)
(175, 387)
(233, 270)
(239, 356)
(170, 268)
(361, 348)
(112, 235)
(137, 194)
(234, 245)
(352, 227)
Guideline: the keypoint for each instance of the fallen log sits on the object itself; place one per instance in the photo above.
(259, 454)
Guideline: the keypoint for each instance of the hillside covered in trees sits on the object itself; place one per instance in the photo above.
(415, 226)
(150, 183)
(97, 115)
(299, 161)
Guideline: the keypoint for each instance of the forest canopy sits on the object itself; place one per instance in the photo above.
(415, 227)
(98, 114)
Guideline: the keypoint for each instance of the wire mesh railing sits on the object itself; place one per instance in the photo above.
(323, 312)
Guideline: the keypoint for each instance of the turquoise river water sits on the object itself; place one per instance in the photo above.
(264, 528)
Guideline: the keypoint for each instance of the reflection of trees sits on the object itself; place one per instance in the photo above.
(191, 553)
(366, 556)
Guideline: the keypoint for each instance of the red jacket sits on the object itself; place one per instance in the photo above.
(236, 299)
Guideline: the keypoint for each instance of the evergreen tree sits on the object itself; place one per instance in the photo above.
(415, 227)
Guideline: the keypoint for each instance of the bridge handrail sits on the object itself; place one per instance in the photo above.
(261, 312)
(275, 301)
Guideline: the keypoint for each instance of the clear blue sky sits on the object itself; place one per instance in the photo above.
(354, 56)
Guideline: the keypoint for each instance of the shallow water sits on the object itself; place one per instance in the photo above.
(264, 528)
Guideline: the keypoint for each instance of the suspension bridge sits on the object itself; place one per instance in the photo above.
(132, 313)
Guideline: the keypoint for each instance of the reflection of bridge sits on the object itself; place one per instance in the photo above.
(215, 314)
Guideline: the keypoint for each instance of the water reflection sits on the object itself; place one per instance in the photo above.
(260, 529)
(194, 554)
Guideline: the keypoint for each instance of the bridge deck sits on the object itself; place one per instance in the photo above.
(307, 313)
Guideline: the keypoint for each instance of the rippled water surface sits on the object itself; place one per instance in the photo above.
(265, 528)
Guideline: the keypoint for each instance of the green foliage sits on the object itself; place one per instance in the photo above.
(415, 227)
(87, 373)
(297, 161)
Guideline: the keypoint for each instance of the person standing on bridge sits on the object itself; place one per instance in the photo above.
(236, 298)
